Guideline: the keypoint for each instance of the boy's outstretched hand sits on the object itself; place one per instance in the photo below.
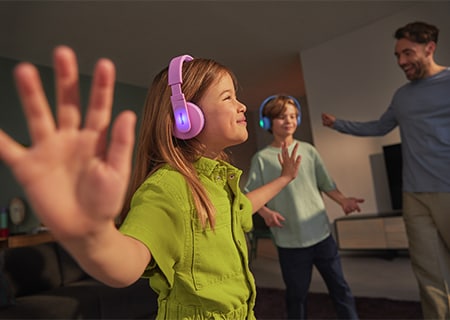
(73, 178)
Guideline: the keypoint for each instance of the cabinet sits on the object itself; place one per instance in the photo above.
(371, 231)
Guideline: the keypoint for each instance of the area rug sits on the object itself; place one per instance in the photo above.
(270, 304)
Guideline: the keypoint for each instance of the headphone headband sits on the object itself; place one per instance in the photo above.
(175, 69)
(265, 122)
(188, 118)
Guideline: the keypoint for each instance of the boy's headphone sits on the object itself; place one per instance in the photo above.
(265, 123)
(189, 119)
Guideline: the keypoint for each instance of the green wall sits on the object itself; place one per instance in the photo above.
(12, 121)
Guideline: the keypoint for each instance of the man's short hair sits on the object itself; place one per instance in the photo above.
(419, 32)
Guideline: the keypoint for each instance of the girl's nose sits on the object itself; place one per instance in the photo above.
(243, 107)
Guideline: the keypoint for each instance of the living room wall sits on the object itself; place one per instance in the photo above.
(354, 77)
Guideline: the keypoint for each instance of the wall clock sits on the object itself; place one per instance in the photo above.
(17, 210)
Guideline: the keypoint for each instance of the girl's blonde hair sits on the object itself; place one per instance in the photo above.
(157, 146)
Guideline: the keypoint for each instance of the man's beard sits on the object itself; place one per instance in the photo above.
(416, 72)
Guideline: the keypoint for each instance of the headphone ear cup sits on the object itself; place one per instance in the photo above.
(265, 123)
(197, 120)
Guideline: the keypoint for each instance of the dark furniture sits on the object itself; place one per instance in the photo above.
(260, 231)
(382, 231)
(23, 240)
(44, 282)
(393, 161)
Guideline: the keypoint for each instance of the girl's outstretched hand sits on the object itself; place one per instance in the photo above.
(289, 162)
(73, 178)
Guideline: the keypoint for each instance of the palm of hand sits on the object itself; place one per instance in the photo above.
(71, 187)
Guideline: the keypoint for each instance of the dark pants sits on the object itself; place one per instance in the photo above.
(297, 266)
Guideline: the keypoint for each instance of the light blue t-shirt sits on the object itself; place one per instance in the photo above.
(421, 109)
(300, 202)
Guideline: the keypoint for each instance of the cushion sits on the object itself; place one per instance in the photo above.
(6, 292)
(32, 269)
(70, 270)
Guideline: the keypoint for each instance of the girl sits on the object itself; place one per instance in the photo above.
(185, 217)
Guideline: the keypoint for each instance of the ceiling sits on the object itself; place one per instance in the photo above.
(259, 40)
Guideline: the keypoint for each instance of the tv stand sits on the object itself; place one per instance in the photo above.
(381, 231)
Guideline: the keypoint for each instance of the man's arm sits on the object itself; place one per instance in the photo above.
(380, 127)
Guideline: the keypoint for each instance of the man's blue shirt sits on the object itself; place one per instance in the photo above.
(421, 109)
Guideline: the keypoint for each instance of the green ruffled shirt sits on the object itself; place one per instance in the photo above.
(198, 273)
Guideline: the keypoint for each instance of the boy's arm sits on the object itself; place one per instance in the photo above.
(272, 218)
(348, 204)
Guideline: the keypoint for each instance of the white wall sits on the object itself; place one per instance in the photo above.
(354, 77)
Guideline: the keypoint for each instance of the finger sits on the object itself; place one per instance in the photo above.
(280, 222)
(294, 151)
(122, 142)
(67, 89)
(100, 103)
(277, 224)
(280, 159)
(285, 151)
(98, 115)
(37, 111)
(10, 150)
(298, 161)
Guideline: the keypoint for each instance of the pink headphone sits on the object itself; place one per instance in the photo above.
(189, 119)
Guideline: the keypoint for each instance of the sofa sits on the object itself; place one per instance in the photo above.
(44, 282)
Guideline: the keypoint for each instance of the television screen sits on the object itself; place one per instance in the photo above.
(393, 161)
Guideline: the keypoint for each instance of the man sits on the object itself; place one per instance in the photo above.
(421, 108)
(297, 215)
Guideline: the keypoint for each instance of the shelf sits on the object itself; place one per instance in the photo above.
(15, 241)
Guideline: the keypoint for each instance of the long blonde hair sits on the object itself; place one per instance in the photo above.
(157, 146)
